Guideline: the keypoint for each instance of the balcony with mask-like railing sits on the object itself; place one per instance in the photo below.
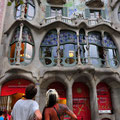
(56, 2)
(77, 19)
(95, 3)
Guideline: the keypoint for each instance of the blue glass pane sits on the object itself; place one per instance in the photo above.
(26, 35)
(50, 39)
(30, 11)
(18, 11)
(69, 50)
(94, 55)
(16, 35)
(108, 42)
(54, 52)
(83, 51)
(68, 36)
(112, 57)
(82, 38)
(95, 38)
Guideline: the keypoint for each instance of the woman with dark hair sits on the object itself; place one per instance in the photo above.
(53, 110)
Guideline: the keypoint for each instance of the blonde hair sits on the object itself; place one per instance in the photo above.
(49, 93)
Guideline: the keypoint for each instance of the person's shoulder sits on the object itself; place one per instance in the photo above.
(18, 101)
(62, 105)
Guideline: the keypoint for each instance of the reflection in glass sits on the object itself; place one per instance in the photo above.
(112, 57)
(18, 10)
(29, 51)
(94, 55)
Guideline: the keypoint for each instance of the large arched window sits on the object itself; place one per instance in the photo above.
(48, 49)
(104, 98)
(111, 50)
(68, 48)
(65, 49)
(29, 10)
(26, 47)
(96, 49)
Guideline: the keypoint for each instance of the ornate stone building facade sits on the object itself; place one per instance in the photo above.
(70, 45)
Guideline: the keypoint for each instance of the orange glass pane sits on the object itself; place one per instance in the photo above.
(22, 52)
(12, 52)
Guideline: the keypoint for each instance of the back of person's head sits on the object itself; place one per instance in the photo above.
(1, 112)
(51, 97)
(30, 91)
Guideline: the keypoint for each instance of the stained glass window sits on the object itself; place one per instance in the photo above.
(95, 38)
(96, 49)
(82, 36)
(50, 39)
(68, 45)
(108, 41)
(27, 47)
(68, 37)
(48, 49)
(15, 36)
(69, 48)
(29, 10)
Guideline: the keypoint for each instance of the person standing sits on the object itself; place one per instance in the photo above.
(1, 115)
(55, 111)
(27, 108)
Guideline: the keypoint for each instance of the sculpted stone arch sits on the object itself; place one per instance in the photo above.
(50, 78)
(88, 78)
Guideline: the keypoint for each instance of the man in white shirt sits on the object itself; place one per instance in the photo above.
(27, 108)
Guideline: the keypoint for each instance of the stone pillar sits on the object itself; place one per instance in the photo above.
(88, 46)
(58, 47)
(19, 44)
(105, 51)
(42, 99)
(94, 103)
(115, 95)
(23, 11)
(69, 96)
(78, 44)
(37, 97)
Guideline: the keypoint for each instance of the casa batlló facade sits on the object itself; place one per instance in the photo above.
(72, 46)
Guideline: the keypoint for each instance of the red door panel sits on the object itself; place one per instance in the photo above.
(81, 104)
(104, 98)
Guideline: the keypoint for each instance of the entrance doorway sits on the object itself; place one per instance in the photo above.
(81, 101)
(11, 92)
(60, 88)
(104, 99)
